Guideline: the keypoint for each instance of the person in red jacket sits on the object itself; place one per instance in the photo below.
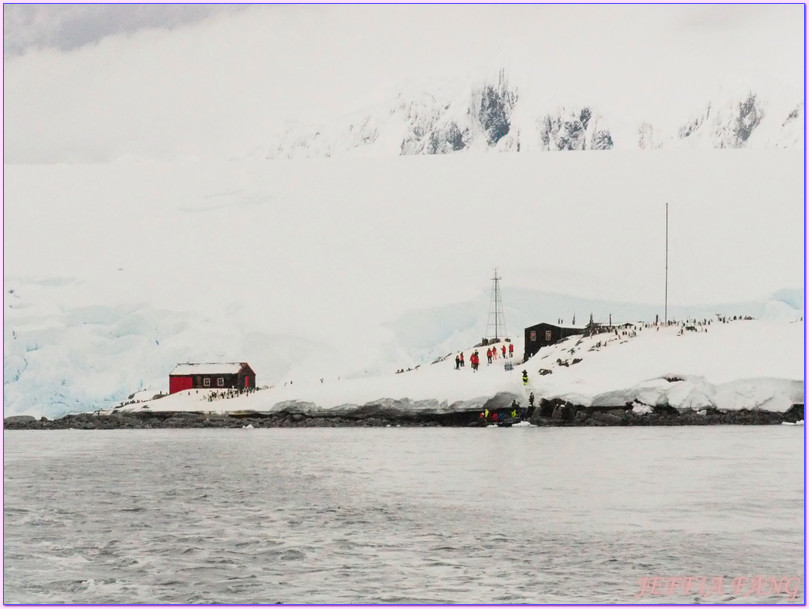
(489, 355)
(504, 351)
(511, 349)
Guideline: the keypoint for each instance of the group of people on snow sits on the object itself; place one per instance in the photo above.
(474, 361)
(491, 354)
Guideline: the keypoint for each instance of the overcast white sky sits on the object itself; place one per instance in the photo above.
(94, 83)
(105, 84)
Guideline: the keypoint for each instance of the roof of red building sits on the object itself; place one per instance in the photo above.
(208, 368)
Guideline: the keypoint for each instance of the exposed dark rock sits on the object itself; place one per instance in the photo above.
(555, 412)
(569, 131)
(608, 418)
(795, 413)
(749, 117)
(455, 138)
(691, 126)
(500, 401)
(602, 140)
(564, 412)
(727, 130)
(792, 115)
(449, 139)
(19, 420)
(666, 409)
(570, 136)
(495, 109)
(584, 117)
(546, 409)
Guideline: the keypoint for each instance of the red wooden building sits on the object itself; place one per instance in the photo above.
(230, 375)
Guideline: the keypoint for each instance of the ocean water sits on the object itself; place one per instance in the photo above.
(405, 515)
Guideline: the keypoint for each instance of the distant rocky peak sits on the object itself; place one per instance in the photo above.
(573, 129)
(490, 114)
(494, 107)
(726, 126)
(695, 123)
(748, 118)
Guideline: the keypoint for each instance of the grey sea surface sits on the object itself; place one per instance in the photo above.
(405, 515)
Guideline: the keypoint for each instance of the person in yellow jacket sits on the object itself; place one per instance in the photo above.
(524, 377)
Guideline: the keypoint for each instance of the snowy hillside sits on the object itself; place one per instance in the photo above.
(313, 269)
(495, 114)
(747, 122)
(430, 333)
(63, 356)
(739, 364)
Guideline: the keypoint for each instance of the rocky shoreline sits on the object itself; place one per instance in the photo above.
(555, 413)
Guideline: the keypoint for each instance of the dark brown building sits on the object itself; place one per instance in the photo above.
(232, 375)
(542, 335)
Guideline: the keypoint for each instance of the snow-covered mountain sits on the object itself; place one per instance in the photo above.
(496, 115)
(747, 122)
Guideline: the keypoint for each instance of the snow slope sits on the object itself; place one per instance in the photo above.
(114, 273)
(64, 355)
(739, 364)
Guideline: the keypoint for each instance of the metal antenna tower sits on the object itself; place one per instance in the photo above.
(496, 318)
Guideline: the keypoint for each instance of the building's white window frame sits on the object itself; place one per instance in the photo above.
(220, 381)
(206, 382)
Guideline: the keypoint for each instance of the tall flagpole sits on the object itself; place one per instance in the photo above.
(666, 304)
